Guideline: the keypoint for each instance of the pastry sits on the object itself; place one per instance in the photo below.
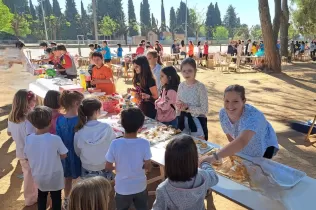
(197, 142)
(203, 145)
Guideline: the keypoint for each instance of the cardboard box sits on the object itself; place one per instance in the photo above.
(210, 63)
(71, 88)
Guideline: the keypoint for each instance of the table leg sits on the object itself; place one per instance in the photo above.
(158, 178)
(310, 130)
(210, 201)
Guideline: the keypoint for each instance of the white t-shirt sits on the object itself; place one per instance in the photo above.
(43, 153)
(129, 156)
(19, 131)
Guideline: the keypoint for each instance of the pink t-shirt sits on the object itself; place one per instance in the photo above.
(55, 115)
(165, 112)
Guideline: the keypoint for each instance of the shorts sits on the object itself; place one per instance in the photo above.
(107, 60)
(109, 175)
(139, 200)
(201, 55)
(206, 56)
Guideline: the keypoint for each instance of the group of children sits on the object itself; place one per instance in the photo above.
(161, 96)
(54, 149)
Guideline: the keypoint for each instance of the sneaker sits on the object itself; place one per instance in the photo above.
(66, 203)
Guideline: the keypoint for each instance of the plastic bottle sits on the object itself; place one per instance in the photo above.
(82, 78)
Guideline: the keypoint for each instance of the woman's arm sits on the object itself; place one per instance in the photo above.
(229, 137)
(154, 92)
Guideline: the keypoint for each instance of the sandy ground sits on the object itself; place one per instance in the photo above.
(282, 97)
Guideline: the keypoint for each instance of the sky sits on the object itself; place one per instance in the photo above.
(247, 10)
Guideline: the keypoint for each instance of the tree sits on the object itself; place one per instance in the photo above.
(181, 16)
(108, 26)
(72, 16)
(272, 57)
(84, 21)
(47, 7)
(172, 23)
(256, 32)
(242, 32)
(293, 32)
(20, 25)
(56, 9)
(210, 20)
(231, 21)
(221, 33)
(5, 17)
(17, 6)
(153, 21)
(196, 22)
(133, 27)
(217, 16)
(284, 28)
(145, 21)
(304, 16)
(32, 10)
(163, 17)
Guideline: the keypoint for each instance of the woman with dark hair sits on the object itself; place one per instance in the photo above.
(246, 128)
(183, 49)
(146, 88)
(165, 104)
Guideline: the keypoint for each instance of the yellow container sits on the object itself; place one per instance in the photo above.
(83, 81)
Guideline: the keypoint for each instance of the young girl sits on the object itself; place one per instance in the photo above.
(92, 194)
(155, 66)
(192, 102)
(165, 104)
(186, 185)
(183, 49)
(144, 81)
(51, 100)
(92, 139)
(18, 127)
(200, 52)
(119, 51)
(65, 128)
(191, 49)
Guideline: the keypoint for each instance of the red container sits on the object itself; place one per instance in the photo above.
(110, 106)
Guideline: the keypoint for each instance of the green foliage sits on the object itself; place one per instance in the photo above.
(56, 9)
(221, 33)
(181, 14)
(213, 19)
(145, 20)
(256, 32)
(304, 16)
(293, 32)
(47, 7)
(32, 10)
(196, 21)
(163, 17)
(72, 16)
(132, 22)
(20, 26)
(242, 32)
(217, 16)
(5, 17)
(231, 21)
(108, 26)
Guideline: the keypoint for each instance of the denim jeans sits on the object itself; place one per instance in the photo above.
(123, 202)
(88, 174)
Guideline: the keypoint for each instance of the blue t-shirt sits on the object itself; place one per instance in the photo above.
(251, 119)
(119, 52)
(107, 54)
(156, 72)
(278, 46)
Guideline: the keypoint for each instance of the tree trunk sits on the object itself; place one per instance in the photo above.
(196, 36)
(272, 57)
(284, 28)
(277, 19)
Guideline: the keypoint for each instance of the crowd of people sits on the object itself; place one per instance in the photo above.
(56, 147)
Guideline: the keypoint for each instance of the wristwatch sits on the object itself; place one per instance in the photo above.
(215, 156)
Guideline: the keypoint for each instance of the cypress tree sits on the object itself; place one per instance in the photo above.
(163, 17)
(132, 19)
(32, 10)
(47, 7)
(231, 21)
(71, 15)
(210, 20)
(217, 16)
(56, 8)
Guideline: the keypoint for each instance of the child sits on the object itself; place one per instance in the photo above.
(183, 49)
(192, 102)
(102, 75)
(165, 104)
(66, 65)
(186, 185)
(119, 51)
(92, 139)
(205, 53)
(65, 128)
(191, 49)
(91, 47)
(140, 49)
(90, 194)
(131, 156)
(44, 151)
(155, 66)
(51, 100)
(19, 127)
(106, 52)
(44, 46)
(144, 81)
(200, 54)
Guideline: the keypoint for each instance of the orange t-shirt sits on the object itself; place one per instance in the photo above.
(104, 72)
(191, 49)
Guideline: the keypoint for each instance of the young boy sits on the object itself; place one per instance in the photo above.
(44, 151)
(106, 51)
(131, 156)
(66, 64)
(44, 46)
(101, 75)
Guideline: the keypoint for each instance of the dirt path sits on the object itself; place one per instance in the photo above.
(282, 97)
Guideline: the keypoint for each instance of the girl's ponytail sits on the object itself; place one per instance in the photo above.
(86, 110)
(82, 118)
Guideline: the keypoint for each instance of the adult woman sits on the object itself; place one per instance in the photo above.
(246, 128)
(145, 85)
